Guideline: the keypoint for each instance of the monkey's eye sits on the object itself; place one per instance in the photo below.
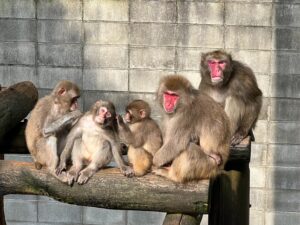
(211, 62)
(75, 99)
(222, 62)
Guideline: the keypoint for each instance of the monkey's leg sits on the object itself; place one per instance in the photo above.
(47, 155)
(140, 160)
(99, 159)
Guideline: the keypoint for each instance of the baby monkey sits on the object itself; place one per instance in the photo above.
(93, 141)
(142, 134)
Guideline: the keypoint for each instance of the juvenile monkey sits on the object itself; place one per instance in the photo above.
(234, 86)
(142, 134)
(45, 148)
(92, 143)
(196, 132)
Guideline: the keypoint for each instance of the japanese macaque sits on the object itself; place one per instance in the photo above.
(142, 134)
(234, 86)
(45, 147)
(92, 143)
(196, 132)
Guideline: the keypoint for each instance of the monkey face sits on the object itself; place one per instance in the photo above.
(103, 113)
(216, 68)
(170, 101)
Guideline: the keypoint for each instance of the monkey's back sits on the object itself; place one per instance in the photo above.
(35, 123)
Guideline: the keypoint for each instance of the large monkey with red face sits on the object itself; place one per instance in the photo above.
(196, 132)
(234, 86)
(46, 146)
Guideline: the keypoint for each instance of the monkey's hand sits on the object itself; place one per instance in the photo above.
(120, 121)
(127, 171)
(61, 167)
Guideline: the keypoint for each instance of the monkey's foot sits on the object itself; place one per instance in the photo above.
(72, 176)
(127, 171)
(62, 166)
(163, 172)
(216, 158)
(85, 175)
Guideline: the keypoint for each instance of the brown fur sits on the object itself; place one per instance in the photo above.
(142, 134)
(238, 93)
(45, 149)
(92, 143)
(196, 132)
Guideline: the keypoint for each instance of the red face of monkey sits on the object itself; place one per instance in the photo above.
(103, 112)
(216, 68)
(170, 100)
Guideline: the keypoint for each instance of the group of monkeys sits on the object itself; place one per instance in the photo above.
(198, 126)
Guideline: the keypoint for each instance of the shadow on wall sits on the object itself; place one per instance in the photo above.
(284, 128)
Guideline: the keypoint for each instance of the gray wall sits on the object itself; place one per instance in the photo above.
(118, 50)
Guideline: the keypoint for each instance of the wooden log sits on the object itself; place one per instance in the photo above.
(15, 103)
(108, 188)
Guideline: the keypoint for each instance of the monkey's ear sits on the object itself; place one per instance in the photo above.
(61, 91)
(142, 113)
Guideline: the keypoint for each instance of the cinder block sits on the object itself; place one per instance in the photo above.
(248, 37)
(285, 109)
(258, 61)
(106, 33)
(189, 59)
(17, 30)
(284, 155)
(200, 36)
(257, 199)
(59, 55)
(49, 76)
(263, 82)
(152, 57)
(287, 14)
(284, 132)
(257, 177)
(59, 31)
(10, 75)
(248, 14)
(103, 216)
(258, 154)
(59, 9)
(285, 62)
(283, 201)
(286, 218)
(284, 178)
(59, 212)
(17, 53)
(119, 99)
(20, 210)
(145, 218)
(106, 56)
(145, 80)
(18, 157)
(287, 39)
(152, 34)
(200, 12)
(256, 217)
(285, 86)
(192, 76)
(109, 80)
(109, 10)
(17, 9)
(261, 131)
(153, 11)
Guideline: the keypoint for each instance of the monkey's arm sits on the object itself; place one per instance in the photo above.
(136, 140)
(74, 134)
(126, 170)
(61, 123)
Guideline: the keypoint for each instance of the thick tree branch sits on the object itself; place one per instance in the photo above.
(107, 189)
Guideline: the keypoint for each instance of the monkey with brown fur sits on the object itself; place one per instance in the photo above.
(142, 134)
(92, 143)
(45, 148)
(196, 132)
(234, 86)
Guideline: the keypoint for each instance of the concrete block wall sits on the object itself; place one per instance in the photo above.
(118, 50)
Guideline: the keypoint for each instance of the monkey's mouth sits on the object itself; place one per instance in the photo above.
(216, 79)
